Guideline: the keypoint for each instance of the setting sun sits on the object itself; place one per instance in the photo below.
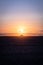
(21, 30)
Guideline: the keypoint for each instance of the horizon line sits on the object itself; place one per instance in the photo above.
(15, 34)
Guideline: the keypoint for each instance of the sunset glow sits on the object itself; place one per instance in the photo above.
(21, 17)
(21, 31)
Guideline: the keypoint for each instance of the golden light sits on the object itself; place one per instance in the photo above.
(21, 30)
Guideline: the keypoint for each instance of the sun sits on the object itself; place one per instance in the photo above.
(21, 31)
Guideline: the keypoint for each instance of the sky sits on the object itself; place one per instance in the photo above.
(26, 14)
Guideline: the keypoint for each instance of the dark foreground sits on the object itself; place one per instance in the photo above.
(21, 50)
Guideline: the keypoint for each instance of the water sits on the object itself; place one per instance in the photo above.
(21, 50)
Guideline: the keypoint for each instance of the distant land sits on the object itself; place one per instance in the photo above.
(25, 34)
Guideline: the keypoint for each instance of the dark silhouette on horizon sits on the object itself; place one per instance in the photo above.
(21, 50)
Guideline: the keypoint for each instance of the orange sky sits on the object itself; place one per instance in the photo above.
(21, 14)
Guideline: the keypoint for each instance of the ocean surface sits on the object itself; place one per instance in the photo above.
(21, 50)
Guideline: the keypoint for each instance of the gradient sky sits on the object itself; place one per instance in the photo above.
(21, 13)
